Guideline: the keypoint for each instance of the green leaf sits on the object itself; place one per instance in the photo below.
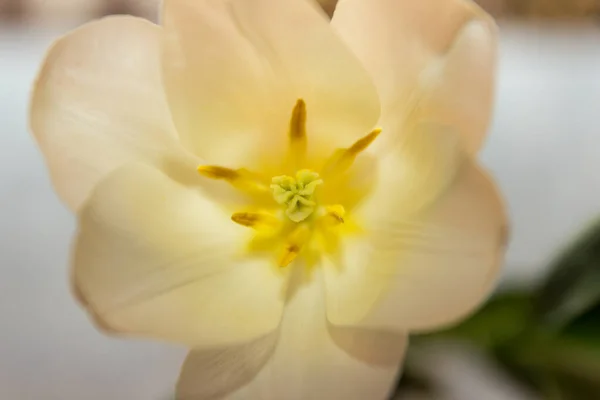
(573, 287)
(502, 319)
(571, 355)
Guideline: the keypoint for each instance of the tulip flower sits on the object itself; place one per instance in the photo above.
(289, 196)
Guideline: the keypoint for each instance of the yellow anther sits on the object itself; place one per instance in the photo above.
(288, 256)
(295, 242)
(216, 172)
(342, 159)
(362, 143)
(297, 134)
(335, 214)
(298, 121)
(256, 220)
(240, 178)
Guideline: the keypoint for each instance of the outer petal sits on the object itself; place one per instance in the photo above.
(157, 259)
(314, 360)
(210, 374)
(436, 56)
(422, 271)
(234, 69)
(98, 102)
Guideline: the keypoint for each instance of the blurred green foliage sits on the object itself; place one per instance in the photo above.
(548, 337)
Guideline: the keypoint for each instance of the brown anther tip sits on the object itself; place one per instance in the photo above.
(376, 132)
(298, 121)
(245, 219)
(337, 213)
(290, 255)
(364, 142)
(255, 220)
(293, 248)
(337, 219)
(216, 172)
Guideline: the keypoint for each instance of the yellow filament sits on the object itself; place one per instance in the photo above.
(256, 220)
(342, 159)
(240, 178)
(216, 172)
(362, 143)
(295, 242)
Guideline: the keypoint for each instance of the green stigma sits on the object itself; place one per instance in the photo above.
(296, 193)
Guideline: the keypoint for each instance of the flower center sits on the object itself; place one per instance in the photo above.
(304, 225)
(296, 193)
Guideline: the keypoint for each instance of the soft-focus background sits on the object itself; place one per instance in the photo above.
(539, 338)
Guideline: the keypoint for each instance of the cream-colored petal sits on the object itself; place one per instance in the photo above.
(413, 173)
(98, 102)
(210, 374)
(314, 360)
(434, 56)
(157, 259)
(423, 271)
(234, 70)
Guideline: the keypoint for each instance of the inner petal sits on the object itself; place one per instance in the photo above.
(232, 76)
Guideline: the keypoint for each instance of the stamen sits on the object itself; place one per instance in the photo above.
(216, 172)
(298, 133)
(256, 220)
(342, 159)
(295, 242)
(298, 121)
(240, 178)
(363, 143)
(336, 214)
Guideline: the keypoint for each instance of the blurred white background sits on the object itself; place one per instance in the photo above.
(544, 149)
(48, 348)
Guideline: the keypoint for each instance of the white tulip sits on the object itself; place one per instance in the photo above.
(287, 195)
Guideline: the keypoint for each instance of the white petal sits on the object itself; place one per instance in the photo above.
(423, 271)
(414, 172)
(158, 259)
(210, 374)
(234, 70)
(436, 55)
(98, 102)
(314, 360)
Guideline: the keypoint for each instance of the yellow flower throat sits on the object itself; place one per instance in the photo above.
(293, 220)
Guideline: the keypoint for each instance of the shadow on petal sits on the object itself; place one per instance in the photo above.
(377, 348)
